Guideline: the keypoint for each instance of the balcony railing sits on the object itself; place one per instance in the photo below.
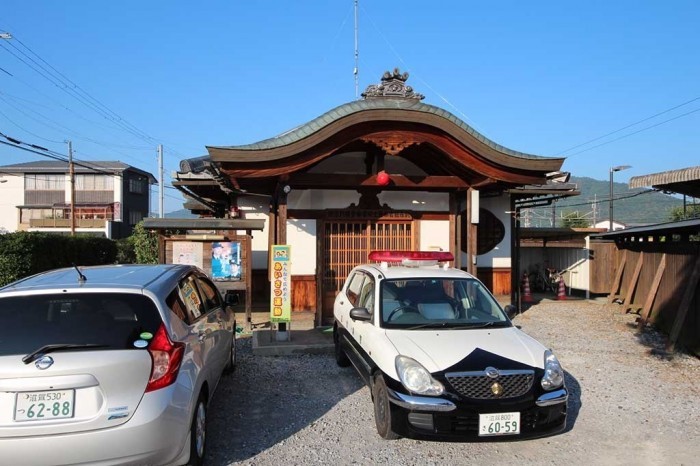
(65, 223)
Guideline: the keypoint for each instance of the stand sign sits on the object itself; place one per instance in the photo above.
(281, 284)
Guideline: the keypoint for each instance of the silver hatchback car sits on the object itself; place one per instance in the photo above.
(111, 365)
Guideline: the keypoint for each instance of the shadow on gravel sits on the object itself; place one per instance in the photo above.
(270, 398)
(573, 406)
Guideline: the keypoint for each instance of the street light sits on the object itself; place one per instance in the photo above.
(613, 170)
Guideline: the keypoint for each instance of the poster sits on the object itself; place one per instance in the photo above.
(188, 252)
(226, 260)
(281, 284)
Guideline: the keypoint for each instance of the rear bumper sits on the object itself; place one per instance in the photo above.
(155, 435)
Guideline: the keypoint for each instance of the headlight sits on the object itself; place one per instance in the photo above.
(553, 373)
(416, 378)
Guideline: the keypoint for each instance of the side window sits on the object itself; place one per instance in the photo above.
(355, 288)
(212, 299)
(190, 296)
(367, 297)
(176, 305)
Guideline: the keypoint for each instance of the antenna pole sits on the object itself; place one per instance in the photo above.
(71, 174)
(356, 71)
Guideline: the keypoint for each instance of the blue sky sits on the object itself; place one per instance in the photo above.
(547, 78)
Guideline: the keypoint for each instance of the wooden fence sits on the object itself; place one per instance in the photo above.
(657, 280)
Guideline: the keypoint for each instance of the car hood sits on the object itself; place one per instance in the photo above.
(439, 350)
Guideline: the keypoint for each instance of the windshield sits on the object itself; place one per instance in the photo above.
(98, 320)
(439, 303)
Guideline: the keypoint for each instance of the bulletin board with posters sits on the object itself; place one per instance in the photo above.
(226, 261)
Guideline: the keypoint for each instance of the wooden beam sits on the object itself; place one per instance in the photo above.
(320, 181)
(691, 288)
(646, 310)
(618, 279)
(633, 284)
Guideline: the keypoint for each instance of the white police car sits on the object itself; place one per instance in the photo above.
(442, 359)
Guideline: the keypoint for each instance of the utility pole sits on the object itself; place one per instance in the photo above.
(71, 174)
(160, 181)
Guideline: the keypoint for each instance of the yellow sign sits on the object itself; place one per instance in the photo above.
(281, 283)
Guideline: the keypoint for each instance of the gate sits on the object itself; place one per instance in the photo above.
(347, 243)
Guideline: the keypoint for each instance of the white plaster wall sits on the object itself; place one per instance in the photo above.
(418, 200)
(11, 195)
(500, 256)
(301, 234)
(434, 235)
(321, 199)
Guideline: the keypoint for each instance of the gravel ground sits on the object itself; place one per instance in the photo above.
(629, 404)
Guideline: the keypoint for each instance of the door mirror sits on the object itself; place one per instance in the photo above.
(511, 311)
(232, 298)
(360, 313)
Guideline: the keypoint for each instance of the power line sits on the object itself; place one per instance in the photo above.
(628, 126)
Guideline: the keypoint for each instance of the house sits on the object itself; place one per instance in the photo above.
(605, 223)
(383, 172)
(110, 197)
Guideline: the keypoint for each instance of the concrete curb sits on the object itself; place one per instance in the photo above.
(301, 342)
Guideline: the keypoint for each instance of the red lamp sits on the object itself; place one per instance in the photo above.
(382, 178)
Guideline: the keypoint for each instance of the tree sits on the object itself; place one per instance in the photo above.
(691, 211)
(574, 220)
(145, 244)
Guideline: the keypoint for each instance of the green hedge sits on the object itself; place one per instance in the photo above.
(23, 253)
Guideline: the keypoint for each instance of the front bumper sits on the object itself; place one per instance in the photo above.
(422, 416)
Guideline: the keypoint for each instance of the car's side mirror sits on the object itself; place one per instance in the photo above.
(232, 299)
(360, 313)
(511, 311)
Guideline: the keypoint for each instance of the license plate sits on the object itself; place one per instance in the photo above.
(45, 405)
(499, 424)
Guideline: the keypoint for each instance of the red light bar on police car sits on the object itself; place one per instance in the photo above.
(400, 256)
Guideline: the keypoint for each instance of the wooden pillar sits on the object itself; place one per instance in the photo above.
(472, 209)
(455, 230)
(282, 220)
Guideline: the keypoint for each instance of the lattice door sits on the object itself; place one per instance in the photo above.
(347, 244)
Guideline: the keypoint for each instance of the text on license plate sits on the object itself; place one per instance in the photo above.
(499, 424)
(39, 406)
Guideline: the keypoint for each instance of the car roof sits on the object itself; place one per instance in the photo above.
(393, 272)
(114, 277)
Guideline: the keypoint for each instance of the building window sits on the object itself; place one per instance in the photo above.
(137, 185)
(135, 217)
(94, 182)
(44, 182)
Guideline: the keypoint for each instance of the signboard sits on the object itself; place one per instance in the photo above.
(188, 252)
(226, 260)
(281, 283)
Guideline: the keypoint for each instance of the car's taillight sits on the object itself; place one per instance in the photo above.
(167, 357)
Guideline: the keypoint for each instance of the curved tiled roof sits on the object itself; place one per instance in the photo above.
(357, 106)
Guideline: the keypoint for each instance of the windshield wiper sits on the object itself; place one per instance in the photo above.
(34, 355)
(459, 325)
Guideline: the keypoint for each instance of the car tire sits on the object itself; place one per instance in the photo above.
(231, 362)
(383, 417)
(340, 357)
(198, 433)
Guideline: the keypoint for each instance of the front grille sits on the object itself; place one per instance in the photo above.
(479, 386)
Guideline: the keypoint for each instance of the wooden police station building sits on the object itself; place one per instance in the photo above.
(383, 172)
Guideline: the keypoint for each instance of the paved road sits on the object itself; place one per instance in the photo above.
(628, 406)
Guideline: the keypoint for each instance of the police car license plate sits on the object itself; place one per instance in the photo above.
(41, 406)
(499, 424)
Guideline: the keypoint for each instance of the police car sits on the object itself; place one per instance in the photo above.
(440, 355)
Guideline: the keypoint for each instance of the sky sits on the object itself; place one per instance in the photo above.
(603, 83)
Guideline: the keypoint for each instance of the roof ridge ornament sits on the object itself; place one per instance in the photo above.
(393, 86)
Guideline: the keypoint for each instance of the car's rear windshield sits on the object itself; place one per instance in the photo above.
(111, 320)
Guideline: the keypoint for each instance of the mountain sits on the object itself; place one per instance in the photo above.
(182, 213)
(630, 206)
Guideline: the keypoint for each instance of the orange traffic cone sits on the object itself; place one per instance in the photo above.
(561, 294)
(527, 297)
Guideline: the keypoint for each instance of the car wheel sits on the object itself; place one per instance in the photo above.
(382, 410)
(340, 357)
(198, 433)
(231, 362)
